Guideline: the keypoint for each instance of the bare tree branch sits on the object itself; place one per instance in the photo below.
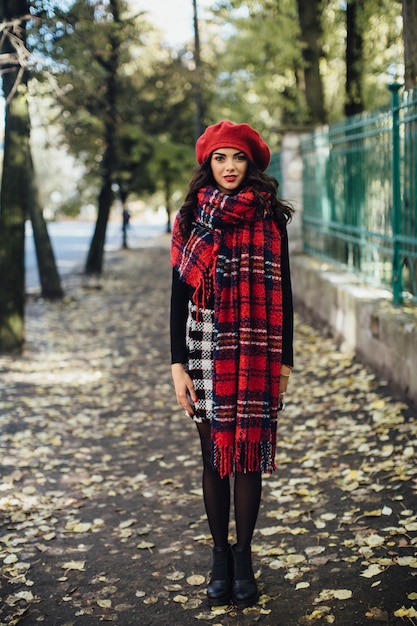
(13, 32)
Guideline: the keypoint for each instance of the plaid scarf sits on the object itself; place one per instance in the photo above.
(235, 257)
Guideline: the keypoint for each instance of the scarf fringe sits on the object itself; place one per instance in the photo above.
(244, 456)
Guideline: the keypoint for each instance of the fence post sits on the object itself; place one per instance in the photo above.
(396, 196)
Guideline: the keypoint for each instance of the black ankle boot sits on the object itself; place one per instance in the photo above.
(244, 588)
(219, 590)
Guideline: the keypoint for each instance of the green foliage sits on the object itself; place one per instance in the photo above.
(252, 70)
(172, 163)
(153, 90)
(70, 207)
(384, 50)
(162, 116)
(381, 25)
(260, 63)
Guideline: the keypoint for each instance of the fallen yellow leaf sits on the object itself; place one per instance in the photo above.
(196, 580)
(74, 565)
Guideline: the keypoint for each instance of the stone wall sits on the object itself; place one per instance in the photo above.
(360, 318)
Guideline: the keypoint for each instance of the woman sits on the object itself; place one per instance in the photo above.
(231, 336)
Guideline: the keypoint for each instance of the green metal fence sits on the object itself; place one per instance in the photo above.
(360, 195)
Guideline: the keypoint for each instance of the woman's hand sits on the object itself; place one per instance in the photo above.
(283, 381)
(184, 388)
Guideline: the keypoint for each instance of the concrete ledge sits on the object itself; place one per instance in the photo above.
(360, 318)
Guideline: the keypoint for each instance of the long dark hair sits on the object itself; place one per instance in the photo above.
(257, 181)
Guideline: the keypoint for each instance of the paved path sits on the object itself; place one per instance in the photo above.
(101, 514)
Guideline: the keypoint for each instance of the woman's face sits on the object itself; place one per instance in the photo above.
(229, 167)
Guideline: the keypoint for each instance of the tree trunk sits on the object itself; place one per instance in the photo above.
(168, 196)
(409, 8)
(12, 227)
(311, 35)
(18, 197)
(13, 196)
(198, 83)
(354, 57)
(354, 104)
(94, 264)
(48, 273)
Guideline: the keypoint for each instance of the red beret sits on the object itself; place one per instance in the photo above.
(243, 137)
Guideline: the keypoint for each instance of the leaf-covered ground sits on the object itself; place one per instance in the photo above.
(101, 514)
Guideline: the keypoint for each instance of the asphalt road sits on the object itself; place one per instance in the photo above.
(71, 241)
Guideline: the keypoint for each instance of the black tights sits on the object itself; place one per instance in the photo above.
(216, 490)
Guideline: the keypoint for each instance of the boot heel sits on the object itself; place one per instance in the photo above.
(219, 590)
(244, 588)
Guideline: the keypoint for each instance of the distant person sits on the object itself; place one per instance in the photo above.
(125, 225)
(231, 336)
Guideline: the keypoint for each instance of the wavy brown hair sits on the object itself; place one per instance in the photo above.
(255, 180)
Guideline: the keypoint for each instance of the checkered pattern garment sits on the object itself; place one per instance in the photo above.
(200, 344)
(235, 257)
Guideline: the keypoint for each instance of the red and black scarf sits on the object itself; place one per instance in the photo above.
(234, 255)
